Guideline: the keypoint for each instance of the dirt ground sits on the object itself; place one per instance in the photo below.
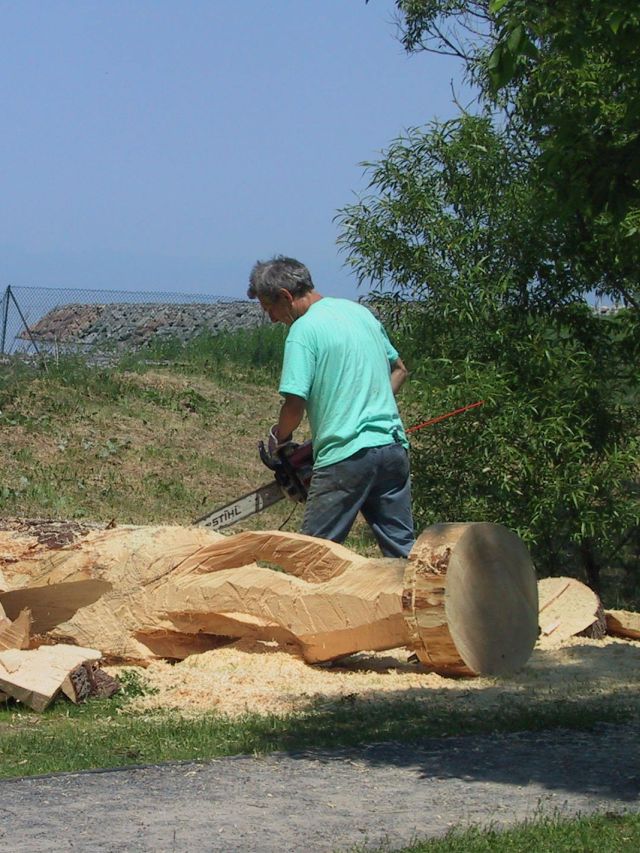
(259, 677)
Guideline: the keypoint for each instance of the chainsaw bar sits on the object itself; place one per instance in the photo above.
(241, 508)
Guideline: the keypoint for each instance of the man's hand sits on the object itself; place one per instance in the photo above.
(275, 442)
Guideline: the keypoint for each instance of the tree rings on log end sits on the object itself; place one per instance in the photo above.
(470, 599)
(568, 608)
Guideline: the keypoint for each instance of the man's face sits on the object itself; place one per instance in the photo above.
(280, 310)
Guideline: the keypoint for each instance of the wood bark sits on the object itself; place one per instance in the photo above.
(465, 601)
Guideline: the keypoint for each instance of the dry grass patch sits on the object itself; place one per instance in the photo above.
(156, 447)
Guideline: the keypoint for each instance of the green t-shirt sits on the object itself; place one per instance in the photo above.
(338, 358)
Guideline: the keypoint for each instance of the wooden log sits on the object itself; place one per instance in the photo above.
(94, 590)
(465, 600)
(568, 608)
(36, 676)
(470, 599)
(623, 623)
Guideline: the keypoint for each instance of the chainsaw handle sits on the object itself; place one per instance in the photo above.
(292, 466)
(286, 452)
(266, 458)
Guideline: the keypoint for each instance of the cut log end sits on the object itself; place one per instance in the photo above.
(471, 599)
(568, 608)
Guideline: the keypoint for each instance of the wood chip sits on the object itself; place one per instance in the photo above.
(35, 676)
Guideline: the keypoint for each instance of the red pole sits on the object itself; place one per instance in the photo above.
(443, 417)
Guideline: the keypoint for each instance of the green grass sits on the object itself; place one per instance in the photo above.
(101, 733)
(607, 833)
(139, 443)
(258, 349)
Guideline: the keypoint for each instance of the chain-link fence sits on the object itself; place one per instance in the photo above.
(41, 320)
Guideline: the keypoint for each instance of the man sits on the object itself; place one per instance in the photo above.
(340, 367)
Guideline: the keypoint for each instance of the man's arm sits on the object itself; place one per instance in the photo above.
(398, 375)
(291, 415)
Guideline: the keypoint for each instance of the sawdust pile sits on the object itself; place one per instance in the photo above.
(258, 677)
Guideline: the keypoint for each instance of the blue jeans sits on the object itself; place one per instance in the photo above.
(374, 481)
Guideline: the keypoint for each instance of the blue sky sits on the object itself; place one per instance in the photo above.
(168, 144)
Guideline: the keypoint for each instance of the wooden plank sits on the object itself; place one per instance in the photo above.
(35, 676)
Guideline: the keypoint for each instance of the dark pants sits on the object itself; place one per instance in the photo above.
(374, 481)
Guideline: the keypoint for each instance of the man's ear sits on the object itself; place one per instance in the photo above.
(286, 295)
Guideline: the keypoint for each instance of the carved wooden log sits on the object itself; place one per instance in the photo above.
(465, 601)
(470, 599)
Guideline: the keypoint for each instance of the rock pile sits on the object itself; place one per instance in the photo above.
(131, 326)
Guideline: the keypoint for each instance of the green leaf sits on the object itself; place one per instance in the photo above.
(495, 58)
(616, 20)
(515, 39)
(496, 5)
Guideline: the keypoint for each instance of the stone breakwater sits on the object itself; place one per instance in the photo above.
(133, 325)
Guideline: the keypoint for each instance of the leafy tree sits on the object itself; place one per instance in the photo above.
(455, 207)
(494, 228)
(570, 70)
(563, 73)
(457, 223)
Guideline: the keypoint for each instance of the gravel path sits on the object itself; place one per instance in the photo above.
(326, 800)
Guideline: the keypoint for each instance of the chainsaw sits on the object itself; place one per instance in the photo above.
(292, 465)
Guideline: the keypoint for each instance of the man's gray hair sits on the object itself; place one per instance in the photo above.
(268, 278)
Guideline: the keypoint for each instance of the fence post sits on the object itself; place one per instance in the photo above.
(11, 294)
(5, 318)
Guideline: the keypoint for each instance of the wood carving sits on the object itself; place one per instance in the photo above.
(465, 601)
